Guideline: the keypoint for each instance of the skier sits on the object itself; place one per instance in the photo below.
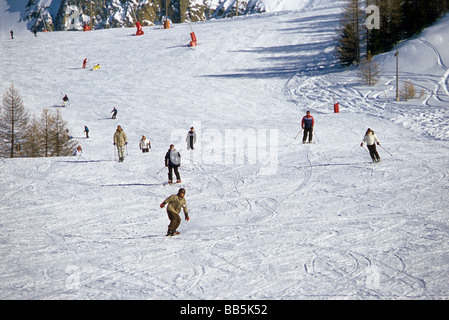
(191, 139)
(175, 203)
(114, 113)
(371, 141)
(84, 63)
(307, 124)
(173, 161)
(120, 140)
(145, 144)
(65, 99)
(12, 34)
(78, 151)
(96, 67)
(86, 130)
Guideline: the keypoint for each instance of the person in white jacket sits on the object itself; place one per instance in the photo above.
(371, 141)
(144, 144)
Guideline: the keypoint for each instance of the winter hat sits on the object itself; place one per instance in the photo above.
(182, 190)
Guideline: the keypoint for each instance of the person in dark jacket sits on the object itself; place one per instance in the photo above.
(114, 113)
(173, 161)
(307, 124)
(65, 99)
(191, 138)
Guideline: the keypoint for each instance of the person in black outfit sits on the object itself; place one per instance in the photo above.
(191, 138)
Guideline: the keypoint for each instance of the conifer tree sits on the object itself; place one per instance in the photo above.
(32, 145)
(369, 70)
(63, 146)
(350, 38)
(13, 123)
(45, 128)
(391, 20)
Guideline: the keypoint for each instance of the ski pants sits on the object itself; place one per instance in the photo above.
(190, 144)
(307, 132)
(121, 152)
(175, 220)
(170, 173)
(373, 152)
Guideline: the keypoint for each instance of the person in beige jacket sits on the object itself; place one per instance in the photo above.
(175, 203)
(120, 140)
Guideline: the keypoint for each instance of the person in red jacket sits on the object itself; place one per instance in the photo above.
(307, 124)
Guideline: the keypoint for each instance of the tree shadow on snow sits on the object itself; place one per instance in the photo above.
(314, 58)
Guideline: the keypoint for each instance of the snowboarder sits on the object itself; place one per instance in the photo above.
(114, 113)
(12, 34)
(175, 203)
(173, 161)
(65, 99)
(191, 138)
(307, 124)
(84, 63)
(120, 140)
(86, 130)
(371, 141)
(145, 144)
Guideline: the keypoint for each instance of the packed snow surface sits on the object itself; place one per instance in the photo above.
(270, 218)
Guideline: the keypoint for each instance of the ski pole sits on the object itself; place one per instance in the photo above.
(160, 170)
(365, 149)
(298, 133)
(386, 150)
(316, 136)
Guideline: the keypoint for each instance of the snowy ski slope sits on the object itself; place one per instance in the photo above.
(271, 218)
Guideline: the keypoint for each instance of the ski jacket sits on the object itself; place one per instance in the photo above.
(144, 144)
(307, 122)
(175, 204)
(172, 158)
(370, 139)
(120, 138)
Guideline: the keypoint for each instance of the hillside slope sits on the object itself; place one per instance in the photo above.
(271, 218)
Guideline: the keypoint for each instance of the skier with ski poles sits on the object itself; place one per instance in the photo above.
(307, 125)
(173, 161)
(175, 203)
(371, 141)
(120, 141)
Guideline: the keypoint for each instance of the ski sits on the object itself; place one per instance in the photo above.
(171, 183)
(141, 237)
